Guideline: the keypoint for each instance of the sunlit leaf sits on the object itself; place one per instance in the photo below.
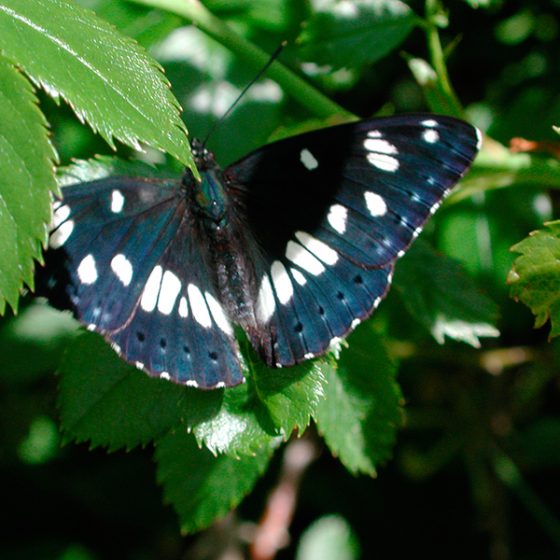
(106, 77)
(328, 538)
(535, 276)
(26, 181)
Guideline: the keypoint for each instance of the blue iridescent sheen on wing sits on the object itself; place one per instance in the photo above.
(296, 244)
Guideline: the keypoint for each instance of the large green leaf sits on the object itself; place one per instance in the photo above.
(362, 410)
(443, 298)
(110, 403)
(107, 78)
(202, 487)
(535, 275)
(355, 32)
(26, 181)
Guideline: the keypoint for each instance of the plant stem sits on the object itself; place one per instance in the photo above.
(509, 474)
(299, 89)
(437, 59)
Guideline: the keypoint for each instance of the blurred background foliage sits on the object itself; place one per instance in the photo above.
(476, 464)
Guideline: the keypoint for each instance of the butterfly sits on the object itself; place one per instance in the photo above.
(295, 244)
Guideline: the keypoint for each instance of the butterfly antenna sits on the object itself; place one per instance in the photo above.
(272, 58)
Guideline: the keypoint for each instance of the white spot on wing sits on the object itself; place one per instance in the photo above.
(379, 146)
(429, 123)
(321, 250)
(375, 204)
(298, 276)
(122, 267)
(117, 201)
(170, 288)
(218, 314)
(183, 307)
(337, 217)
(191, 383)
(60, 236)
(266, 304)
(151, 290)
(61, 214)
(165, 375)
(87, 271)
(282, 282)
(375, 134)
(383, 161)
(308, 159)
(304, 259)
(431, 136)
(199, 307)
(478, 138)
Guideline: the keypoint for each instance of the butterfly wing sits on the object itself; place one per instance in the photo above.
(124, 258)
(332, 210)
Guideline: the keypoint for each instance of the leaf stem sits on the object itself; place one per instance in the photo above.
(509, 474)
(437, 58)
(299, 89)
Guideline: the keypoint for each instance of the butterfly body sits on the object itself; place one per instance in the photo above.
(295, 243)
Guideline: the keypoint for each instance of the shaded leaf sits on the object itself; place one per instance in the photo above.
(26, 181)
(443, 298)
(107, 78)
(112, 404)
(202, 487)
(355, 32)
(361, 412)
(535, 276)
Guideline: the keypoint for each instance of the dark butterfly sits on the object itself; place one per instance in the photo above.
(295, 243)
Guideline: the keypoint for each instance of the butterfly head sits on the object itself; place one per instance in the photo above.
(208, 194)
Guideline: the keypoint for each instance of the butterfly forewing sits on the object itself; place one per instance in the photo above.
(366, 189)
(124, 258)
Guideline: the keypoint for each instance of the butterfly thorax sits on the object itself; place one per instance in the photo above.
(223, 237)
(208, 195)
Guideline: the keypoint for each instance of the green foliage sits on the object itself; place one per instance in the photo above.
(361, 412)
(202, 487)
(442, 298)
(353, 33)
(26, 170)
(57, 44)
(535, 275)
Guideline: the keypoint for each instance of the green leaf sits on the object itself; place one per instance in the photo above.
(290, 396)
(107, 78)
(362, 410)
(237, 429)
(112, 404)
(328, 538)
(535, 276)
(202, 487)
(26, 181)
(355, 32)
(443, 298)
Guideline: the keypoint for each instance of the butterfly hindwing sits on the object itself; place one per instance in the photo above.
(124, 259)
(347, 201)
